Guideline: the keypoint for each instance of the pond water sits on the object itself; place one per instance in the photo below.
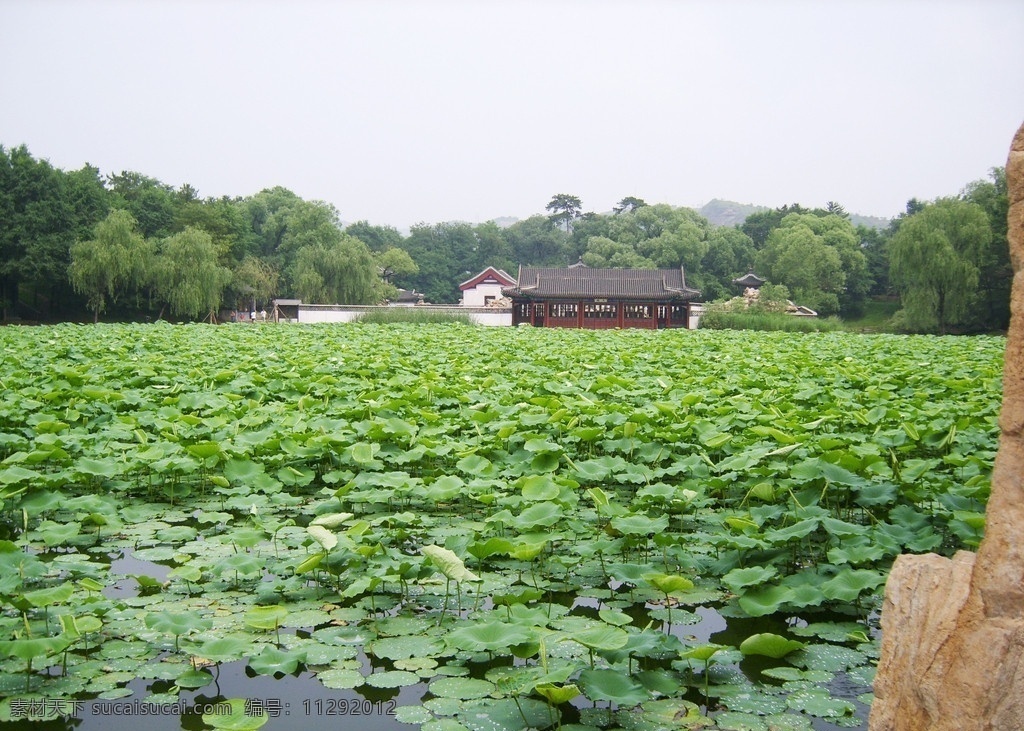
(299, 700)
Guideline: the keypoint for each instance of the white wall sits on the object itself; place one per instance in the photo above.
(490, 316)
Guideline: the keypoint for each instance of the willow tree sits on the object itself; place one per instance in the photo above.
(343, 272)
(934, 263)
(187, 276)
(112, 264)
(254, 280)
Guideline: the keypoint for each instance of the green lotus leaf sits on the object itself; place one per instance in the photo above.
(669, 583)
(28, 649)
(739, 579)
(505, 714)
(739, 721)
(492, 636)
(241, 715)
(449, 564)
(613, 686)
(764, 600)
(244, 564)
(392, 679)
(310, 562)
(272, 661)
(193, 679)
(50, 595)
(540, 514)
(402, 648)
(601, 637)
(702, 652)
(831, 658)
(324, 536)
(848, 584)
(96, 467)
(493, 545)
(639, 525)
(445, 488)
(363, 453)
(266, 617)
(341, 678)
(557, 694)
(817, 702)
(242, 470)
(203, 450)
(539, 487)
(224, 649)
(331, 520)
(769, 645)
(527, 551)
(830, 631)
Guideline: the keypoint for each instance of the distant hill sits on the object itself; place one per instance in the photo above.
(869, 221)
(728, 213)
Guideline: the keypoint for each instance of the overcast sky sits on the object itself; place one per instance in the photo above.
(406, 112)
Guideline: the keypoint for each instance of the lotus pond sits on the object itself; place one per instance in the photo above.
(455, 527)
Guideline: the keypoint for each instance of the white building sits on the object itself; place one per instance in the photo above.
(485, 287)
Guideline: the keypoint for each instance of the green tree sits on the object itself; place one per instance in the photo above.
(187, 275)
(628, 205)
(536, 241)
(730, 254)
(758, 226)
(995, 273)
(254, 281)
(114, 263)
(798, 257)
(377, 238)
(935, 258)
(394, 263)
(603, 253)
(153, 204)
(265, 219)
(564, 209)
(446, 254)
(339, 272)
(43, 211)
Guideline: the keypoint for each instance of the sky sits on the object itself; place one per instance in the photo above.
(401, 112)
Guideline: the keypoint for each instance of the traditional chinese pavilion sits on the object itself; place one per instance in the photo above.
(597, 299)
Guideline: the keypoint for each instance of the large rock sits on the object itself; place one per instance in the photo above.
(953, 629)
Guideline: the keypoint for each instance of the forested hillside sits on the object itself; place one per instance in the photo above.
(84, 245)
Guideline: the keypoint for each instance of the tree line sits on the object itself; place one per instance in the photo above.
(127, 246)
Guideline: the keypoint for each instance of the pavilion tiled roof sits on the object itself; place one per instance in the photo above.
(586, 283)
(749, 280)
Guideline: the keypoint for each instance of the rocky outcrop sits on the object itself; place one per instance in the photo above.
(953, 629)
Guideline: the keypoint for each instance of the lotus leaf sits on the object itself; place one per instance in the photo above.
(504, 714)
(341, 678)
(412, 714)
(401, 648)
(493, 636)
(449, 564)
(769, 645)
(266, 617)
(241, 716)
(817, 702)
(613, 686)
(461, 688)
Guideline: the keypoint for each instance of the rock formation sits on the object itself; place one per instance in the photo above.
(953, 629)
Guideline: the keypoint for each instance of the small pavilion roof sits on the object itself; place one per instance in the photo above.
(749, 280)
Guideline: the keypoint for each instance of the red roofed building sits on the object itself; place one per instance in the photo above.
(597, 299)
(485, 287)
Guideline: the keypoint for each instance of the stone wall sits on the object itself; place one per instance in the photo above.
(953, 629)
